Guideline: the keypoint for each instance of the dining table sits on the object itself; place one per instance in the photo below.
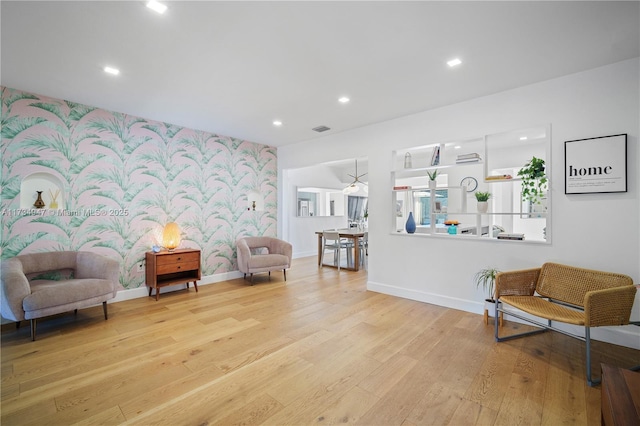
(353, 234)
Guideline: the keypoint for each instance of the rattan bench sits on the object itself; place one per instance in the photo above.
(566, 294)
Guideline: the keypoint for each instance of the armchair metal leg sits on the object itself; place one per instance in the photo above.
(284, 271)
(104, 309)
(33, 330)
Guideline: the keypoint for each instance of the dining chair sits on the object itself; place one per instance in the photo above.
(331, 241)
(363, 246)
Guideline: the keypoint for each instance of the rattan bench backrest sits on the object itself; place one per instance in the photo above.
(570, 284)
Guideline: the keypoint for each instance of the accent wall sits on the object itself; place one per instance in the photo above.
(118, 179)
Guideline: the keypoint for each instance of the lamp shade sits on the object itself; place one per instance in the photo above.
(171, 236)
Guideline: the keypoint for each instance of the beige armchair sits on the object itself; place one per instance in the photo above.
(263, 254)
(28, 291)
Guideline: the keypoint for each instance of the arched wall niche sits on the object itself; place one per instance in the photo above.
(51, 186)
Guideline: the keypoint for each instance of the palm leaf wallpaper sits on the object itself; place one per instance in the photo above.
(123, 178)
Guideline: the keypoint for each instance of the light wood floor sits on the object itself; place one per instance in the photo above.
(318, 350)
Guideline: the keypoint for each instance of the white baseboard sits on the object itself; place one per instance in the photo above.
(420, 296)
(139, 292)
(304, 254)
(628, 336)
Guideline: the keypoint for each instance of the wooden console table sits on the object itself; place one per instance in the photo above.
(172, 267)
(620, 397)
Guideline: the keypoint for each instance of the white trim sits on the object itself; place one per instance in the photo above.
(304, 254)
(420, 296)
(143, 291)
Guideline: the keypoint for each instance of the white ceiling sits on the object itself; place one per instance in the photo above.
(233, 67)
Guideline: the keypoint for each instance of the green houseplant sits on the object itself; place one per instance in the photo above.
(486, 278)
(534, 180)
(482, 196)
(432, 178)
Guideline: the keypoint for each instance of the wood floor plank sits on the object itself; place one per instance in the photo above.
(349, 408)
(149, 399)
(110, 416)
(311, 405)
(523, 402)
(255, 412)
(492, 381)
(471, 413)
(384, 378)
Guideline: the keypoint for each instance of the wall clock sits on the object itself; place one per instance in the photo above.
(470, 182)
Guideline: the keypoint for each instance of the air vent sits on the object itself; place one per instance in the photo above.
(320, 129)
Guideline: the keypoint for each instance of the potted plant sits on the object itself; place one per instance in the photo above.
(432, 178)
(534, 180)
(483, 198)
(486, 278)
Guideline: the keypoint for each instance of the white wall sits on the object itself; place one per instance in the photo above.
(300, 231)
(598, 231)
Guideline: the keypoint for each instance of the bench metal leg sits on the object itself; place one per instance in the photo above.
(513, 336)
(587, 339)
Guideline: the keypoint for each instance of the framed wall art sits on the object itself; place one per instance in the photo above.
(595, 165)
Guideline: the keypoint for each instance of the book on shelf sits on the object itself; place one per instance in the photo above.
(468, 156)
(435, 156)
(468, 160)
(498, 177)
(508, 236)
(401, 187)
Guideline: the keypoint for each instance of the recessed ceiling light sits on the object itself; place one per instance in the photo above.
(158, 7)
(344, 100)
(457, 147)
(523, 138)
(277, 123)
(112, 70)
(454, 62)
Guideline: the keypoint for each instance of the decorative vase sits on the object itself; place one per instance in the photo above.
(453, 229)
(39, 202)
(483, 206)
(410, 226)
(432, 184)
(407, 161)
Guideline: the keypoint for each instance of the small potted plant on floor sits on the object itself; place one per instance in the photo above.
(486, 278)
(483, 198)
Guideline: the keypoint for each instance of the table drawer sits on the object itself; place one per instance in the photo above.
(168, 259)
(178, 267)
